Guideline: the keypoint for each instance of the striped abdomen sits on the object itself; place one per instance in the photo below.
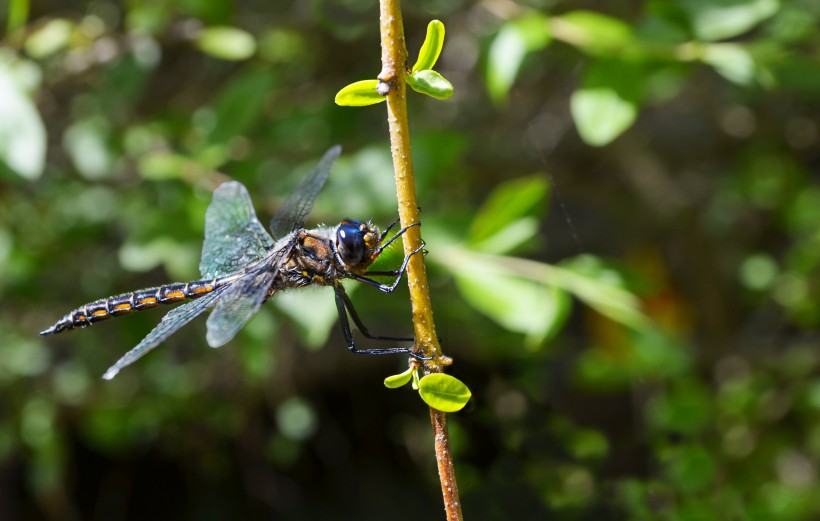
(127, 303)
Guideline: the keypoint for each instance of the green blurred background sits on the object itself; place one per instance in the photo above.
(623, 221)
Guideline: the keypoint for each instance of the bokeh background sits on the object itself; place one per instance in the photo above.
(623, 221)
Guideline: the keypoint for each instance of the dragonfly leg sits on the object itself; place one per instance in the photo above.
(391, 239)
(345, 306)
(388, 288)
(387, 230)
(358, 321)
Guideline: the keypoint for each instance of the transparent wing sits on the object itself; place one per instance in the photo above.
(171, 322)
(242, 300)
(234, 237)
(239, 304)
(296, 209)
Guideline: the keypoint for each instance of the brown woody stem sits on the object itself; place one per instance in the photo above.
(394, 63)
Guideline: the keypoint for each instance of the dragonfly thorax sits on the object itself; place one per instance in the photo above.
(356, 243)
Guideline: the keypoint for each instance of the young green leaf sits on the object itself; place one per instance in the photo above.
(227, 43)
(431, 48)
(444, 392)
(607, 102)
(431, 83)
(727, 18)
(23, 147)
(596, 33)
(732, 61)
(49, 38)
(508, 49)
(504, 212)
(359, 94)
(601, 287)
(515, 303)
(397, 380)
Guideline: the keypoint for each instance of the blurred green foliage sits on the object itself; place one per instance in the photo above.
(655, 162)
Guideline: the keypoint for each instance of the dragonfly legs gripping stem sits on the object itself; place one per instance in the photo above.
(345, 306)
(388, 288)
(393, 238)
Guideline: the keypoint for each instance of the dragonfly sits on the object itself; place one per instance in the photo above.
(243, 266)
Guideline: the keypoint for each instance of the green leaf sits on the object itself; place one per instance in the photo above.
(239, 105)
(359, 94)
(398, 380)
(607, 102)
(22, 133)
(431, 48)
(601, 287)
(17, 15)
(731, 61)
(162, 164)
(593, 32)
(431, 83)
(226, 43)
(683, 408)
(690, 468)
(721, 19)
(85, 142)
(522, 305)
(50, 38)
(505, 221)
(444, 392)
(313, 311)
(508, 49)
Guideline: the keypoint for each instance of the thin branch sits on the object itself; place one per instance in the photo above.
(394, 60)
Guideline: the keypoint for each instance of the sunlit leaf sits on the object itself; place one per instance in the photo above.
(177, 258)
(607, 102)
(721, 19)
(594, 32)
(431, 48)
(22, 133)
(431, 83)
(49, 38)
(731, 61)
(398, 380)
(519, 304)
(508, 49)
(163, 165)
(226, 43)
(444, 392)
(504, 220)
(600, 287)
(359, 94)
(85, 142)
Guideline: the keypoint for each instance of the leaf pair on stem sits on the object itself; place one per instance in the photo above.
(421, 78)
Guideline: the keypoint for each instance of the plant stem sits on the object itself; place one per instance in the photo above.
(394, 59)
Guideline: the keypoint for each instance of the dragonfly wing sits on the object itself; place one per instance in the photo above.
(294, 212)
(245, 296)
(239, 304)
(234, 237)
(171, 322)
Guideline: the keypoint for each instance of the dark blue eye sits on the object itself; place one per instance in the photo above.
(350, 242)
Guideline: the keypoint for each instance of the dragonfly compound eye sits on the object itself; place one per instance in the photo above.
(350, 242)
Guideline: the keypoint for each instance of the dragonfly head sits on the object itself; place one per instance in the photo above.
(355, 242)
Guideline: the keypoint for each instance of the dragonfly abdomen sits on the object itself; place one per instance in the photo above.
(128, 303)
